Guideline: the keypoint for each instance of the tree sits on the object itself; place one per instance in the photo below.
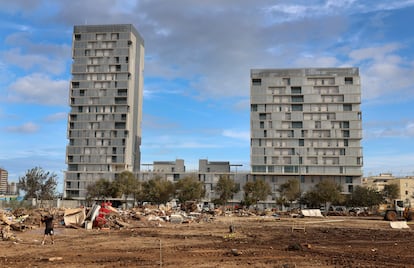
(189, 189)
(38, 184)
(365, 197)
(225, 188)
(390, 192)
(158, 190)
(101, 189)
(127, 184)
(324, 192)
(290, 190)
(255, 191)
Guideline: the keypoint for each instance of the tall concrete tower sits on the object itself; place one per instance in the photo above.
(106, 91)
(306, 123)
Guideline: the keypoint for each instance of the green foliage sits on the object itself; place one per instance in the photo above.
(255, 191)
(324, 192)
(189, 189)
(158, 190)
(38, 184)
(390, 192)
(126, 184)
(101, 189)
(365, 197)
(225, 188)
(290, 190)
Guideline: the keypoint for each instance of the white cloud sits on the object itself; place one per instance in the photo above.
(383, 71)
(398, 164)
(25, 128)
(242, 135)
(56, 117)
(396, 129)
(39, 88)
(35, 61)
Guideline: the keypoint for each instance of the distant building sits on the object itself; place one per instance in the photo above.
(106, 91)
(405, 185)
(209, 173)
(306, 124)
(378, 182)
(169, 166)
(4, 176)
(213, 166)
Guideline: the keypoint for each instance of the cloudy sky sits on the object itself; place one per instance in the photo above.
(198, 56)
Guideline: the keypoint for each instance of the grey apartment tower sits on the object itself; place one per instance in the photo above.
(306, 123)
(106, 91)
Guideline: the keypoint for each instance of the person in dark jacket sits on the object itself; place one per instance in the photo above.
(48, 221)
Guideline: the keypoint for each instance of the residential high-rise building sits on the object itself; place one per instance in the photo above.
(106, 90)
(4, 175)
(306, 124)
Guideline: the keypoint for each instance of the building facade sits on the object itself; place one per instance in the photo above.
(405, 186)
(4, 176)
(106, 90)
(306, 124)
(209, 173)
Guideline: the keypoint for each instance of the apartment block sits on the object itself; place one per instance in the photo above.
(306, 124)
(4, 176)
(106, 91)
(209, 173)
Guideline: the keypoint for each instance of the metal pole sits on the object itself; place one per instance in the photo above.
(300, 181)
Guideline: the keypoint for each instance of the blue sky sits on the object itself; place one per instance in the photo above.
(197, 68)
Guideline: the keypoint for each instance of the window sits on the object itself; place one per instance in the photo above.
(256, 81)
(345, 133)
(347, 107)
(346, 143)
(290, 169)
(297, 98)
(297, 124)
(120, 125)
(297, 107)
(115, 36)
(253, 108)
(348, 179)
(349, 80)
(262, 116)
(77, 37)
(301, 142)
(75, 84)
(296, 90)
(122, 92)
(345, 124)
(261, 124)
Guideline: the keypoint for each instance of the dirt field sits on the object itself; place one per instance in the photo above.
(257, 242)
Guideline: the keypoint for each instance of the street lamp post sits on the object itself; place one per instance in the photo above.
(300, 180)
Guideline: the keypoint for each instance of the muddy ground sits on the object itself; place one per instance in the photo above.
(256, 242)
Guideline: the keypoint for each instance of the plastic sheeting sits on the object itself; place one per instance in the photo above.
(399, 225)
(311, 213)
